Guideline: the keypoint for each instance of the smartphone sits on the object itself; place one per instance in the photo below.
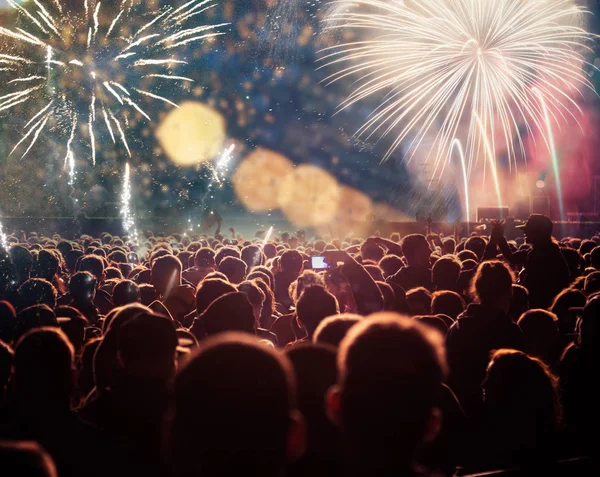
(319, 263)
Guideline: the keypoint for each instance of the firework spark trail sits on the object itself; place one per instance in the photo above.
(126, 212)
(456, 145)
(554, 157)
(267, 238)
(436, 62)
(70, 157)
(489, 153)
(142, 53)
(3, 241)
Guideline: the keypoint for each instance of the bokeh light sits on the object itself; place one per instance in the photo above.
(309, 196)
(192, 134)
(258, 178)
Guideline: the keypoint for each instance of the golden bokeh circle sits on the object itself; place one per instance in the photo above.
(192, 134)
(258, 178)
(309, 196)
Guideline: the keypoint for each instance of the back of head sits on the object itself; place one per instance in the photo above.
(92, 264)
(223, 423)
(393, 367)
(126, 292)
(24, 458)
(226, 252)
(47, 264)
(234, 269)
(43, 367)
(521, 389)
(209, 290)
(291, 263)
(369, 250)
(390, 264)
(476, 245)
(230, 312)
(332, 330)
(73, 324)
(35, 316)
(445, 273)
(21, 259)
(166, 273)
(592, 283)
(416, 249)
(447, 303)
(540, 330)
(492, 284)
(146, 346)
(82, 287)
(205, 258)
(314, 306)
(252, 255)
(37, 291)
(419, 301)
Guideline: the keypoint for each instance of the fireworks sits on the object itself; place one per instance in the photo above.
(126, 212)
(91, 67)
(3, 241)
(475, 70)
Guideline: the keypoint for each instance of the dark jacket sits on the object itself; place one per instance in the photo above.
(545, 271)
(413, 276)
(469, 343)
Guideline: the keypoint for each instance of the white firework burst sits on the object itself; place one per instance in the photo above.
(479, 71)
(92, 65)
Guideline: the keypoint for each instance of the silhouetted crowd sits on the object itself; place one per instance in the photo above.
(185, 356)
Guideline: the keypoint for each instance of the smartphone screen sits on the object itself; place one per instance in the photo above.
(319, 263)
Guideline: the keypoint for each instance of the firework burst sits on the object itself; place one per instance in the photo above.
(92, 68)
(480, 71)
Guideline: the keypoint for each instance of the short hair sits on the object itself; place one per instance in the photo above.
(393, 367)
(419, 301)
(82, 286)
(333, 330)
(476, 245)
(146, 345)
(37, 291)
(226, 252)
(48, 264)
(209, 290)
(445, 272)
(44, 363)
(165, 270)
(315, 304)
(92, 264)
(234, 268)
(447, 303)
(390, 264)
(204, 258)
(291, 262)
(125, 292)
(538, 325)
(35, 316)
(253, 256)
(230, 312)
(411, 245)
(223, 423)
(117, 256)
(492, 279)
(21, 258)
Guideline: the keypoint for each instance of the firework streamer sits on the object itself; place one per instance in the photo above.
(36, 62)
(126, 210)
(436, 66)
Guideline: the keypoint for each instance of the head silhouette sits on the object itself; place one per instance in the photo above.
(222, 423)
(390, 371)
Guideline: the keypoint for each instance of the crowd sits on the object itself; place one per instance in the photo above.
(183, 356)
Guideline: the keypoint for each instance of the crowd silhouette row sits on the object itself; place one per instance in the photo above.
(184, 356)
